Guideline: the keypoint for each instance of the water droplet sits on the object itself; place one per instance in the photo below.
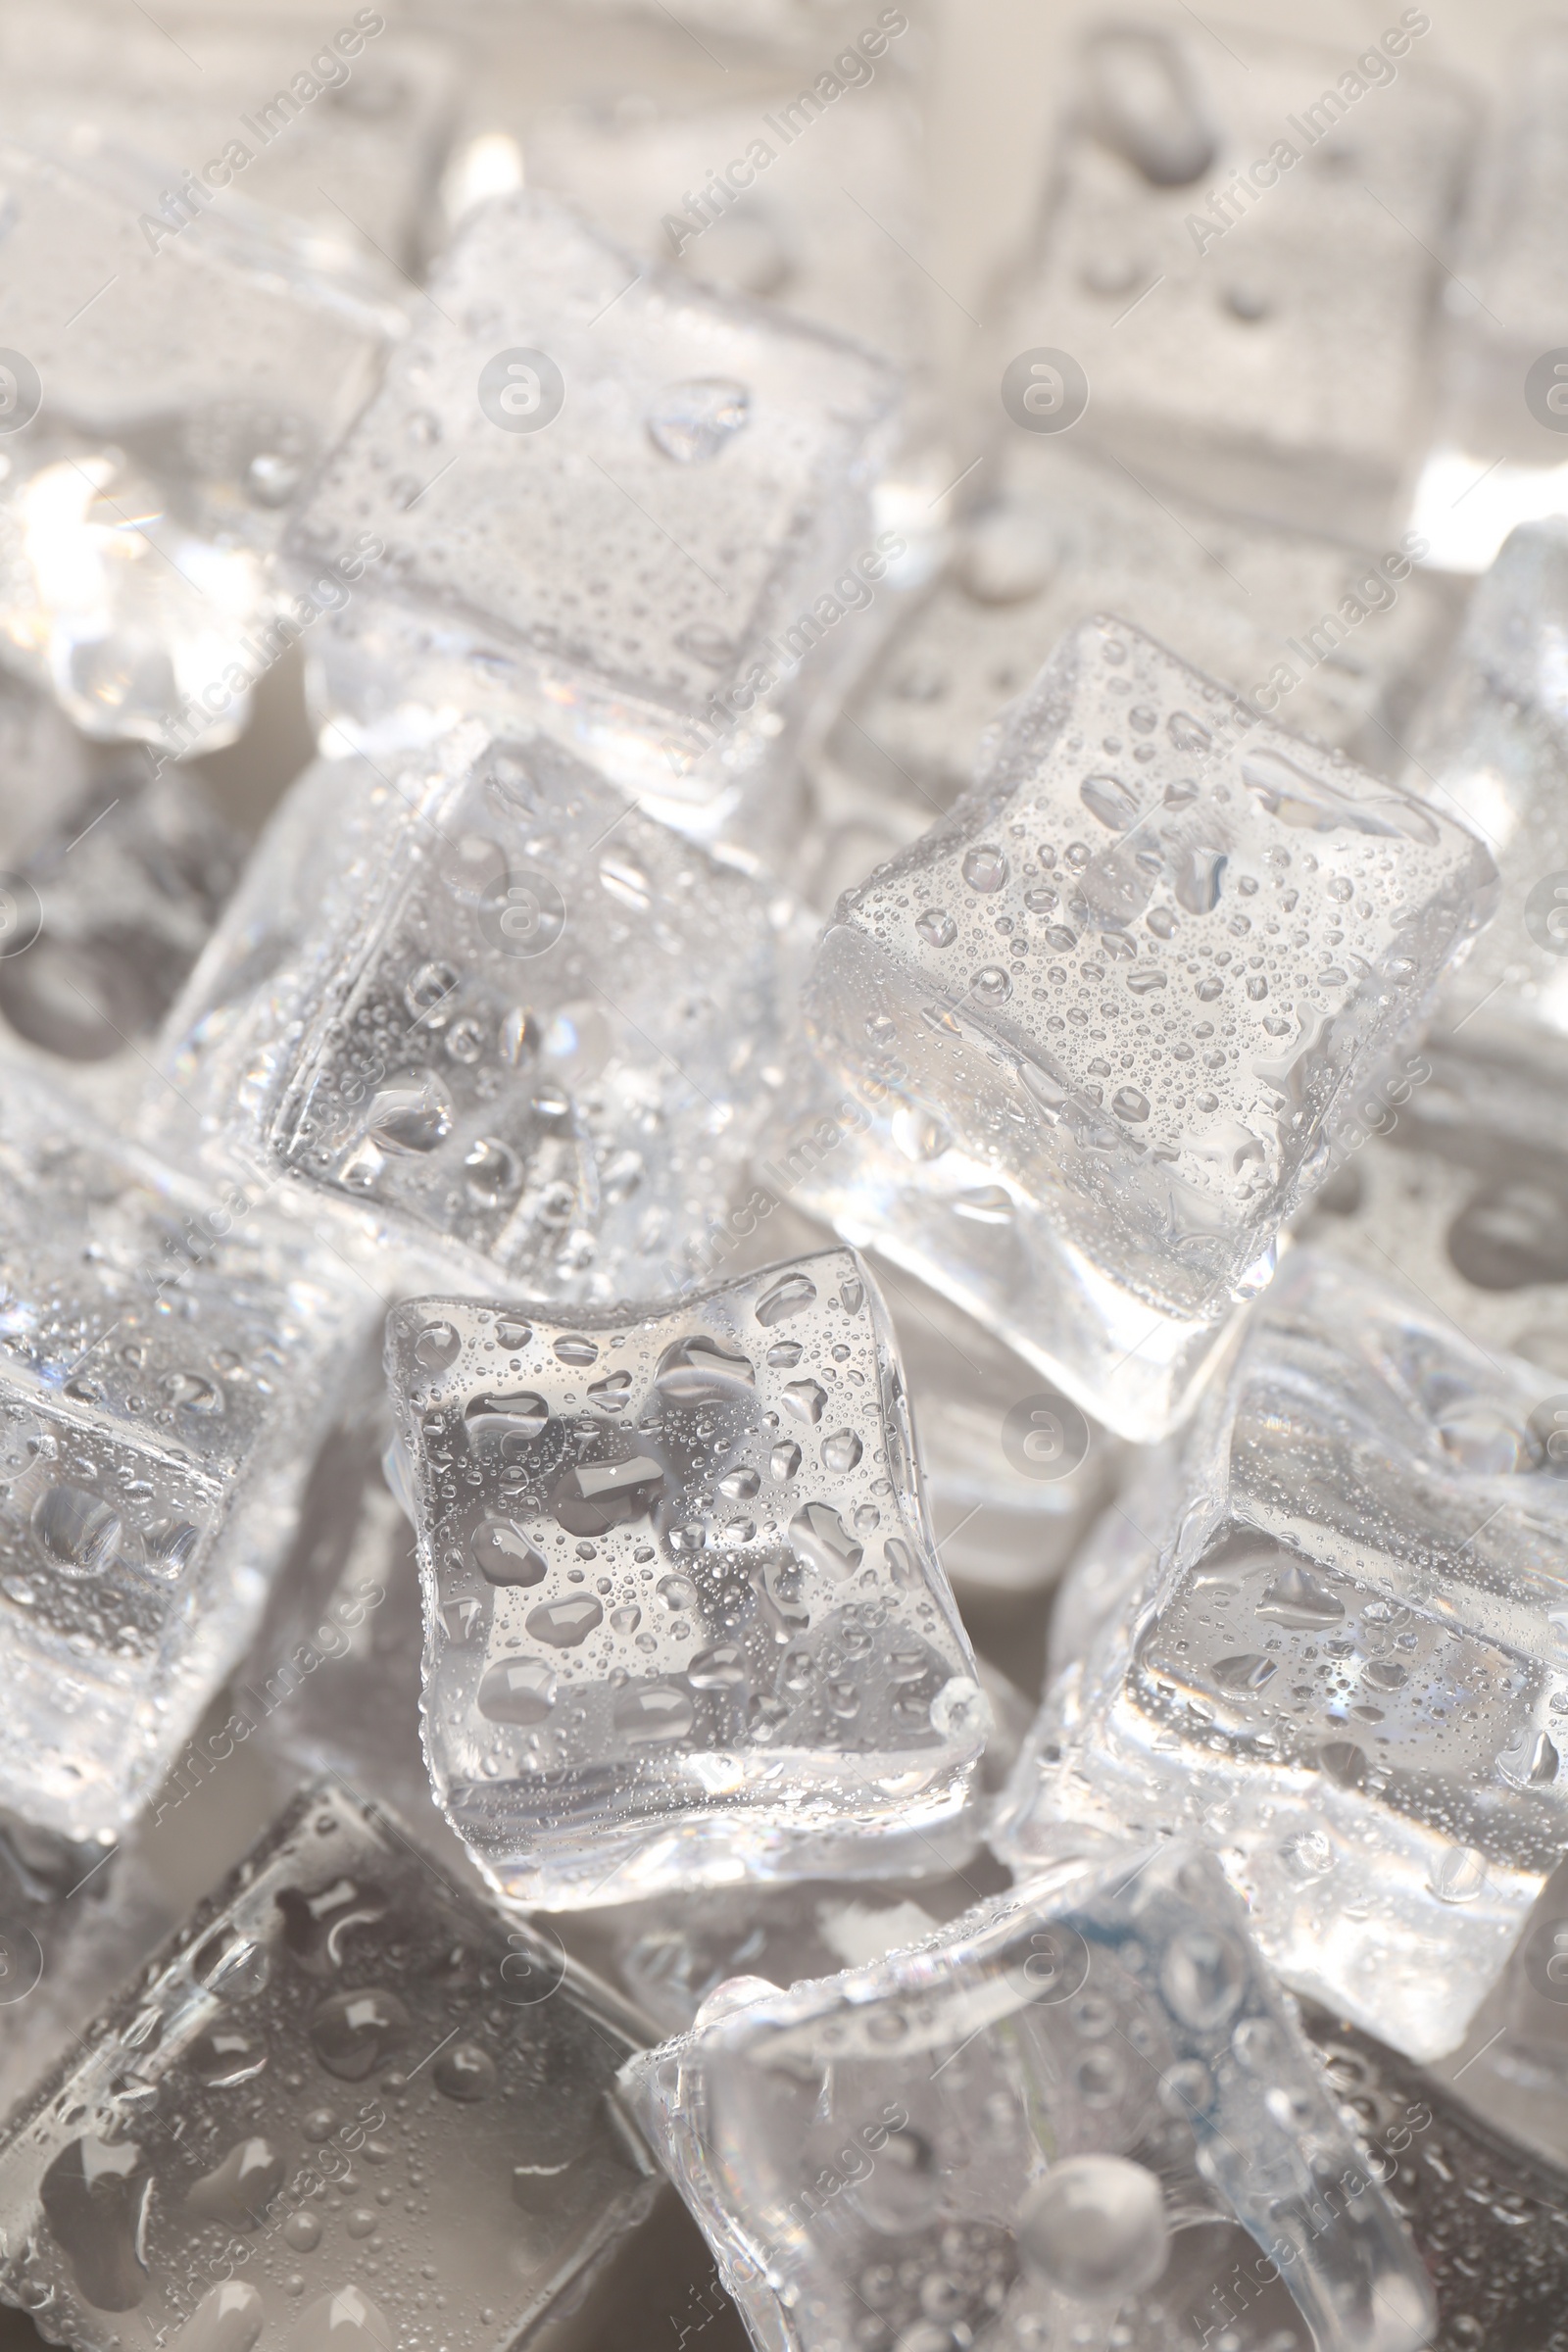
(819, 1536)
(516, 1690)
(1295, 1598)
(354, 2032)
(464, 2072)
(904, 2189)
(430, 987)
(722, 1668)
(626, 882)
(1198, 875)
(739, 1486)
(985, 869)
(512, 1332)
(900, 1563)
(1095, 2229)
(654, 1714)
(804, 1401)
(303, 2231)
(437, 1346)
(936, 927)
(229, 2318)
(592, 1498)
(790, 1295)
(491, 1170)
(239, 2192)
(1204, 1976)
(93, 2196)
(1530, 1761)
(504, 1556)
(1248, 1671)
(700, 1371)
(992, 985)
(574, 1349)
(76, 1529)
(192, 1393)
(413, 1116)
(841, 1451)
(1142, 105)
(223, 2056)
(1129, 1103)
(497, 1414)
(563, 1624)
(784, 1461)
(346, 2321)
(1114, 803)
(693, 421)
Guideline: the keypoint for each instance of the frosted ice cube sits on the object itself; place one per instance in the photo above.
(614, 508)
(115, 903)
(474, 992)
(1331, 641)
(1085, 2093)
(1099, 1027)
(347, 132)
(165, 1350)
(163, 399)
(1461, 1192)
(684, 1621)
(1238, 251)
(1486, 2215)
(1492, 746)
(338, 2021)
(1345, 1669)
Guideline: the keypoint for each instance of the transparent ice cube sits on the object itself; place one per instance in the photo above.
(1099, 1026)
(1238, 251)
(162, 400)
(1492, 746)
(614, 508)
(685, 1624)
(1461, 1192)
(115, 902)
(1075, 2110)
(1348, 1668)
(339, 2021)
(1334, 642)
(475, 993)
(165, 1350)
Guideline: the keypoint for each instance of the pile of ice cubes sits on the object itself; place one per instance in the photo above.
(783, 1193)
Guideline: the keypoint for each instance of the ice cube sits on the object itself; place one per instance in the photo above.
(1238, 253)
(475, 993)
(1491, 747)
(1498, 457)
(161, 396)
(615, 509)
(47, 765)
(1088, 2092)
(338, 2027)
(1461, 1192)
(116, 902)
(1099, 1027)
(1333, 642)
(685, 1624)
(1486, 2216)
(348, 135)
(1345, 1669)
(164, 1351)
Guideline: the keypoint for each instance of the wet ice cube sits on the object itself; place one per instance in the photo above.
(339, 2012)
(1461, 1192)
(1492, 746)
(1331, 642)
(1485, 2213)
(1347, 1669)
(614, 507)
(685, 1623)
(115, 902)
(1087, 2092)
(165, 1350)
(475, 993)
(1238, 255)
(166, 398)
(1105, 1018)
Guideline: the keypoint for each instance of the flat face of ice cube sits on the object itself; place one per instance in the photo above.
(1089, 2090)
(1229, 186)
(612, 496)
(1493, 747)
(511, 1012)
(1332, 641)
(160, 1358)
(1111, 1006)
(207, 2161)
(684, 1619)
(1370, 1520)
